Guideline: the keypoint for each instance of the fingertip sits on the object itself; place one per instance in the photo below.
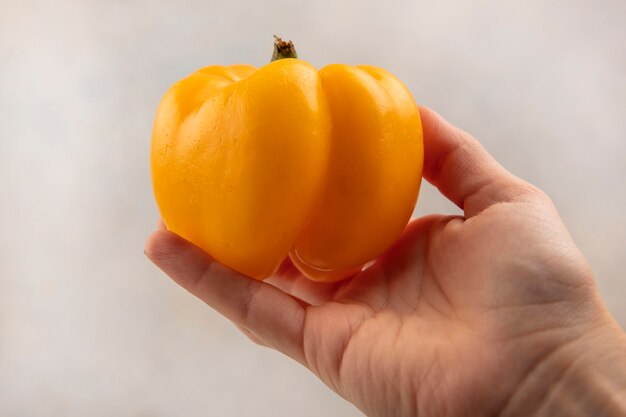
(159, 245)
(287, 269)
(440, 138)
(426, 112)
(173, 254)
(430, 118)
(161, 224)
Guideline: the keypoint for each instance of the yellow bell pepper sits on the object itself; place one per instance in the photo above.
(254, 165)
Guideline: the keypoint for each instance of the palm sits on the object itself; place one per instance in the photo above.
(428, 328)
(362, 337)
(362, 340)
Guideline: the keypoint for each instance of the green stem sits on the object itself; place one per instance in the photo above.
(283, 49)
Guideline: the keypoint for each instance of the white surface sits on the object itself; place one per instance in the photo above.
(89, 328)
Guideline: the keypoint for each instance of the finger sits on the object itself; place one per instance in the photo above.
(161, 224)
(462, 169)
(291, 281)
(254, 338)
(273, 316)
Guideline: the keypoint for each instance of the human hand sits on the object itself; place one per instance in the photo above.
(491, 313)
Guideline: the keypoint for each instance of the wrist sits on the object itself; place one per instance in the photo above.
(585, 376)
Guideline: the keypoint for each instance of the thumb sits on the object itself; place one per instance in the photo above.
(462, 169)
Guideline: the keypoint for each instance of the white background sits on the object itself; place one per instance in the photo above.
(88, 327)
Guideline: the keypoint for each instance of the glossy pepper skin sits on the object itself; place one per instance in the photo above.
(253, 165)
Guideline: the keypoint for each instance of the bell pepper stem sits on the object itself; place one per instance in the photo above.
(283, 49)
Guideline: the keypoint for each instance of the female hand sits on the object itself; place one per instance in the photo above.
(491, 313)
